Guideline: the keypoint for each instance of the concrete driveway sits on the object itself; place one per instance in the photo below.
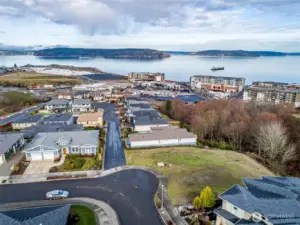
(5, 168)
(39, 166)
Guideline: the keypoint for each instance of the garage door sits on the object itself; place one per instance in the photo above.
(36, 156)
(48, 155)
(1, 159)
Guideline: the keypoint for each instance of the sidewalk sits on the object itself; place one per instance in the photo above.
(103, 212)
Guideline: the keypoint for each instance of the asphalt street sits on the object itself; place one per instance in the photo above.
(129, 192)
(114, 151)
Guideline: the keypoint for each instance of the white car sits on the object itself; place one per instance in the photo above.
(57, 194)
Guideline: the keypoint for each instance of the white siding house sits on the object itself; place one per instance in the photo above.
(162, 136)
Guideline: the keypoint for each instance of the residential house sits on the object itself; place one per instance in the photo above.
(121, 94)
(58, 105)
(162, 136)
(82, 94)
(65, 118)
(65, 95)
(27, 121)
(10, 143)
(101, 95)
(93, 119)
(31, 132)
(81, 105)
(42, 215)
(269, 201)
(53, 145)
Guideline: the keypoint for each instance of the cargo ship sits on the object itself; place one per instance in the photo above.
(217, 68)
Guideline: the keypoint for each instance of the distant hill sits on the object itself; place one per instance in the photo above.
(12, 52)
(129, 53)
(242, 53)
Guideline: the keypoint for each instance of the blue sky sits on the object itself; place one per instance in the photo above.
(160, 24)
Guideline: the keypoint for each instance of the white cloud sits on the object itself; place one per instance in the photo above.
(163, 24)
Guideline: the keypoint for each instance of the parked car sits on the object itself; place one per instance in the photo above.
(57, 194)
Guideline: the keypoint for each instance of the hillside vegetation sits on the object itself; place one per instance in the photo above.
(13, 101)
(128, 53)
(26, 79)
(269, 133)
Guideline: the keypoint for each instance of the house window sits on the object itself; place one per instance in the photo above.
(88, 150)
(235, 208)
(75, 150)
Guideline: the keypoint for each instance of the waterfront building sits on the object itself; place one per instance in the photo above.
(217, 83)
(145, 76)
(274, 95)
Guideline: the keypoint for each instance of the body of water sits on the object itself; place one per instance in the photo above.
(181, 67)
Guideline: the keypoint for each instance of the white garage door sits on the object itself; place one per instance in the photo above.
(36, 156)
(48, 155)
(1, 159)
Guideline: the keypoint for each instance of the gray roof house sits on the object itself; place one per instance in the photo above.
(269, 200)
(45, 128)
(9, 143)
(59, 118)
(46, 215)
(81, 105)
(27, 121)
(53, 145)
(58, 105)
(162, 136)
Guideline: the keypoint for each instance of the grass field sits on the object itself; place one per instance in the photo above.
(193, 168)
(13, 101)
(26, 79)
(86, 215)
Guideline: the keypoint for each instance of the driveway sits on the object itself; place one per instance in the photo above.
(39, 166)
(5, 168)
(114, 151)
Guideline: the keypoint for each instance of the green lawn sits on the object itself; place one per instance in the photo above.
(86, 215)
(193, 168)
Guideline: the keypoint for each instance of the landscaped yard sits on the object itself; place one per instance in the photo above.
(85, 214)
(78, 163)
(193, 168)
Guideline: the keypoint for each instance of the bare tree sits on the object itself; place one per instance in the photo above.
(272, 140)
(289, 154)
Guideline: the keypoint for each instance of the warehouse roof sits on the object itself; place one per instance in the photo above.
(162, 133)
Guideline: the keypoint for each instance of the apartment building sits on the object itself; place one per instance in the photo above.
(265, 201)
(273, 95)
(217, 83)
(158, 77)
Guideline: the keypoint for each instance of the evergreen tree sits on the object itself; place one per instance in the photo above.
(197, 203)
(207, 197)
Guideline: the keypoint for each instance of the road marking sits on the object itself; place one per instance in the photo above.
(121, 194)
(135, 186)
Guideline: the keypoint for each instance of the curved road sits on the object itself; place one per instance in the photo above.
(129, 192)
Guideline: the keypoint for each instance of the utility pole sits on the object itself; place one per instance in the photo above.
(162, 197)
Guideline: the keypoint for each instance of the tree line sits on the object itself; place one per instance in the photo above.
(270, 133)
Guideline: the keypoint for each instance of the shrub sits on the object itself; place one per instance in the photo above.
(79, 162)
(89, 163)
(67, 164)
(53, 169)
(73, 156)
(16, 168)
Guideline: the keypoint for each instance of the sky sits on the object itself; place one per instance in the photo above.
(182, 25)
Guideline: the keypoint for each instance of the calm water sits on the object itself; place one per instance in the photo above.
(180, 67)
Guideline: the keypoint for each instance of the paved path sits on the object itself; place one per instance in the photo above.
(114, 151)
(5, 168)
(130, 193)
